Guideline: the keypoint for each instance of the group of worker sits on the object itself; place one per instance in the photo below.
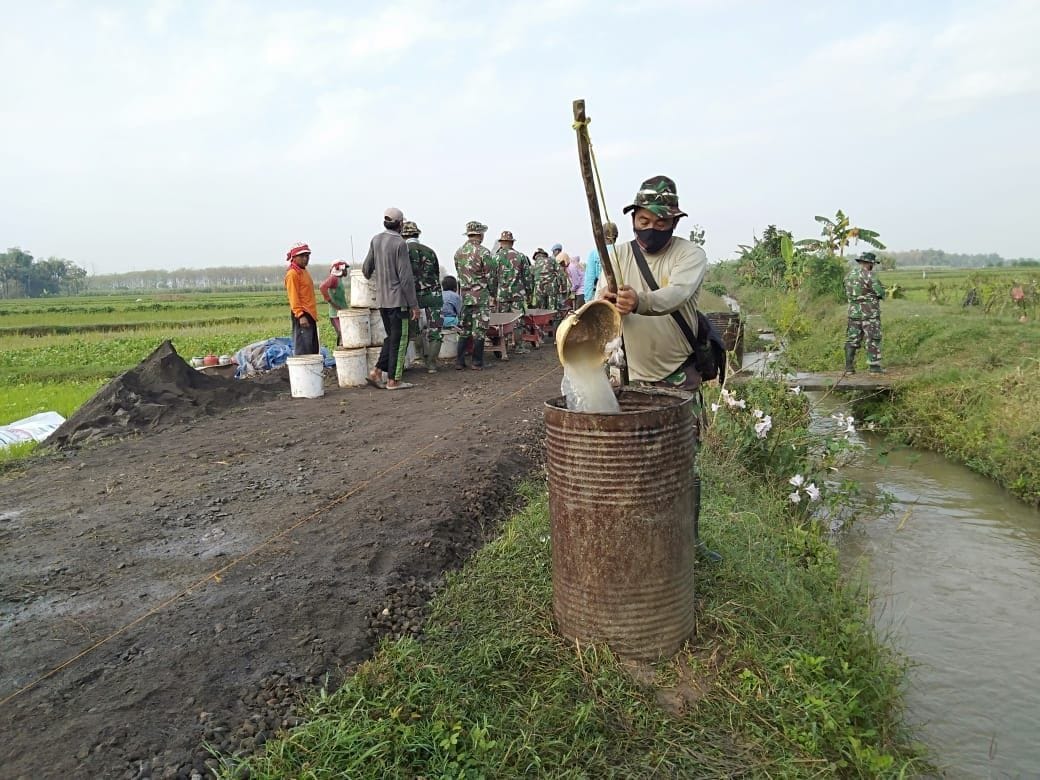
(663, 274)
(416, 304)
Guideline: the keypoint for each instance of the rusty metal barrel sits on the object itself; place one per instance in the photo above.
(731, 329)
(621, 504)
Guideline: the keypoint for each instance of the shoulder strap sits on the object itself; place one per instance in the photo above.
(648, 277)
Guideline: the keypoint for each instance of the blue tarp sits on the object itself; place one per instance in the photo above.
(268, 354)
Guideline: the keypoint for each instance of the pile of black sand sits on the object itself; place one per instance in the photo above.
(162, 390)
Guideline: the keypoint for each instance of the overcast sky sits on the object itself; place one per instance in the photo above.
(145, 135)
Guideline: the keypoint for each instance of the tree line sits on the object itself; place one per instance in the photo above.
(24, 276)
(937, 257)
(251, 277)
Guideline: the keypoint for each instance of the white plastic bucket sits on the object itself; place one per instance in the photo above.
(350, 367)
(355, 327)
(373, 356)
(306, 373)
(449, 345)
(375, 324)
(362, 291)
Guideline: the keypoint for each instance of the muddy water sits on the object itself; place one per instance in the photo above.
(955, 568)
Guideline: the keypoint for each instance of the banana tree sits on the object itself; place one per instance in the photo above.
(837, 234)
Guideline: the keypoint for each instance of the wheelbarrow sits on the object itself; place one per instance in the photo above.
(538, 326)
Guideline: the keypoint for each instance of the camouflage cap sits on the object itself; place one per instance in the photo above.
(506, 236)
(474, 228)
(540, 251)
(657, 194)
(866, 257)
(410, 230)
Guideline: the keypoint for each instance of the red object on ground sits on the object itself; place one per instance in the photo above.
(211, 360)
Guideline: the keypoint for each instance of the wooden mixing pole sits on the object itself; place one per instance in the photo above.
(581, 127)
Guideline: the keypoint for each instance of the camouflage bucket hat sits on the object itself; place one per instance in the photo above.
(867, 257)
(410, 230)
(474, 228)
(506, 236)
(540, 251)
(657, 194)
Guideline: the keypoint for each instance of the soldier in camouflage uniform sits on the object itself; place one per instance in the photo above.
(864, 292)
(427, 272)
(514, 269)
(542, 297)
(475, 268)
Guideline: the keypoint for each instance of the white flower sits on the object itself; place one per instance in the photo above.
(758, 413)
(797, 480)
(795, 497)
(812, 491)
(742, 404)
(796, 390)
(715, 407)
(763, 428)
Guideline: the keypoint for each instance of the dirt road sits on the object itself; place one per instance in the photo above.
(190, 584)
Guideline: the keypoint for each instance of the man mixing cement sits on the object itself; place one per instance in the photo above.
(658, 302)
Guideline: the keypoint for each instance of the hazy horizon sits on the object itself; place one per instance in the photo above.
(178, 134)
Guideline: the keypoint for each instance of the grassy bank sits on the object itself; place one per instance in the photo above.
(785, 678)
(967, 379)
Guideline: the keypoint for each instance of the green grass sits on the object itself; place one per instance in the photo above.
(785, 679)
(967, 381)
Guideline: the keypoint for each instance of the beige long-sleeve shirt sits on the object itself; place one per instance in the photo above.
(654, 345)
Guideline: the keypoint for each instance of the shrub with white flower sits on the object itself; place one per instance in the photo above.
(801, 486)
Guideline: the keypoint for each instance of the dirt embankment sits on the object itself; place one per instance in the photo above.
(235, 555)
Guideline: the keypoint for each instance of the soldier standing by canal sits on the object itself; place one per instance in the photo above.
(475, 267)
(426, 269)
(864, 292)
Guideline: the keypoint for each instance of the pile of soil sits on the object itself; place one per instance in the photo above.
(160, 391)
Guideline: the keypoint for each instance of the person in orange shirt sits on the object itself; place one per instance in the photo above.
(304, 306)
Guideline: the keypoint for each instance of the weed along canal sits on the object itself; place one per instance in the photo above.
(955, 567)
(954, 570)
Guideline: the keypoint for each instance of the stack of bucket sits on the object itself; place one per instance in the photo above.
(353, 360)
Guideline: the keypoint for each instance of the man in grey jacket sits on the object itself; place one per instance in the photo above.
(387, 262)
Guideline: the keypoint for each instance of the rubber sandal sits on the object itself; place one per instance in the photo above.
(402, 386)
(374, 383)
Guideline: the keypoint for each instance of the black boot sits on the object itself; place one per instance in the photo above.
(709, 555)
(850, 359)
(460, 356)
(478, 354)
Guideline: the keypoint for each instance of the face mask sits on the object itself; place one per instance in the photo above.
(654, 240)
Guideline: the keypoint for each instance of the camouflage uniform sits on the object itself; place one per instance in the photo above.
(475, 268)
(544, 290)
(513, 270)
(426, 270)
(562, 284)
(864, 293)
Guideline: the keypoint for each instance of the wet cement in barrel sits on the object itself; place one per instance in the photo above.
(586, 385)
